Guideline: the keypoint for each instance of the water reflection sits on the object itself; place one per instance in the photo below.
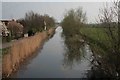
(105, 55)
(60, 58)
(74, 53)
(77, 53)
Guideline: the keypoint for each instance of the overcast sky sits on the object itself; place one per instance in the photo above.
(55, 9)
(0, 9)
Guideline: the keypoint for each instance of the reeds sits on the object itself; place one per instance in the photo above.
(20, 50)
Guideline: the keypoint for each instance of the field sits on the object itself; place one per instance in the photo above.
(99, 34)
(95, 33)
(99, 39)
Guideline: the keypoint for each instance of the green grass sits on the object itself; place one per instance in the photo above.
(98, 34)
(4, 51)
(95, 33)
(98, 37)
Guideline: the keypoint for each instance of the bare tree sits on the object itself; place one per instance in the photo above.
(109, 18)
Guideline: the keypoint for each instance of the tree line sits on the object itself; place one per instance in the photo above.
(34, 22)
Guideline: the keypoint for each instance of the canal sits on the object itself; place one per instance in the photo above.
(51, 61)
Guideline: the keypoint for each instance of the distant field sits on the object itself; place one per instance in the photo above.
(98, 34)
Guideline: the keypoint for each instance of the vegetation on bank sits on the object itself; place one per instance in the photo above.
(73, 21)
(103, 38)
(21, 50)
(4, 50)
(34, 22)
(30, 24)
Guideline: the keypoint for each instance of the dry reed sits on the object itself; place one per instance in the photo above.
(22, 49)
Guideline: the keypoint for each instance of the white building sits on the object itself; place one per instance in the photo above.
(45, 28)
(3, 29)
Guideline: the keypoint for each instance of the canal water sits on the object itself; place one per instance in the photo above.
(50, 62)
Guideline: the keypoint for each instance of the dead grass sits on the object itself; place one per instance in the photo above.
(20, 50)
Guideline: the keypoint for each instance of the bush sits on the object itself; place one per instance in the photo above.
(73, 21)
(31, 33)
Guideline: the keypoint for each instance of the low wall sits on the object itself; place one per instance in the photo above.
(22, 49)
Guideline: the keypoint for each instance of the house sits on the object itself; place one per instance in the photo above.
(3, 30)
(14, 28)
(5, 21)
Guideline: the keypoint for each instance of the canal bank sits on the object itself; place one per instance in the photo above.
(54, 61)
(21, 50)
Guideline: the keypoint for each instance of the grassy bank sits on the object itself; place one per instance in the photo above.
(105, 48)
(99, 34)
(95, 33)
(22, 49)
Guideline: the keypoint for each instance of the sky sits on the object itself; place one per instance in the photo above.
(57, 10)
(0, 9)
(58, 0)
